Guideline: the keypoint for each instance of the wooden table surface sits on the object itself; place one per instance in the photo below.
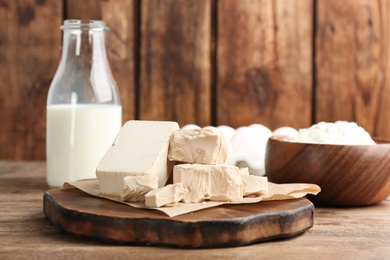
(338, 233)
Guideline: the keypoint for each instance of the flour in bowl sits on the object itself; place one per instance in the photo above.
(340, 132)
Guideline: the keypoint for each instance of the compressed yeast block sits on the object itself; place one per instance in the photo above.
(135, 187)
(167, 195)
(209, 182)
(203, 145)
(253, 185)
(140, 148)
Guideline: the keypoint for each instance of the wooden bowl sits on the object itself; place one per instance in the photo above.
(349, 175)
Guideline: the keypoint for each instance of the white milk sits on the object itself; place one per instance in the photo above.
(77, 138)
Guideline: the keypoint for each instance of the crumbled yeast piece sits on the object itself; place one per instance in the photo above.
(203, 145)
(254, 185)
(135, 187)
(166, 196)
(209, 182)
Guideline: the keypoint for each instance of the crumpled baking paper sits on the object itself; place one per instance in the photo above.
(276, 192)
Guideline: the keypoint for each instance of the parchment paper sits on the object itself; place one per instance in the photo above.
(276, 192)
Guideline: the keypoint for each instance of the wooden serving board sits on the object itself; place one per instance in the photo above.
(228, 225)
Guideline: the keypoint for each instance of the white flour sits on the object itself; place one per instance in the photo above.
(341, 132)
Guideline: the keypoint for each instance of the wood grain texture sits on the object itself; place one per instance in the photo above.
(175, 76)
(338, 233)
(225, 226)
(352, 63)
(264, 62)
(206, 62)
(121, 17)
(28, 60)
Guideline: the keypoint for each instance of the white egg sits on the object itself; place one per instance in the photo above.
(209, 127)
(285, 130)
(261, 130)
(246, 141)
(227, 131)
(190, 126)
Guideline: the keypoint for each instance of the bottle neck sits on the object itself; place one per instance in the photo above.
(85, 56)
(83, 75)
(85, 46)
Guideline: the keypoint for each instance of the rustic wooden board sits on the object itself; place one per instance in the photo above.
(264, 63)
(352, 63)
(223, 226)
(175, 61)
(122, 18)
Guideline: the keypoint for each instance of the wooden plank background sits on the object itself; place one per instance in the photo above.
(208, 62)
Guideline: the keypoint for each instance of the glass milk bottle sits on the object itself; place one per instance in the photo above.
(84, 112)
